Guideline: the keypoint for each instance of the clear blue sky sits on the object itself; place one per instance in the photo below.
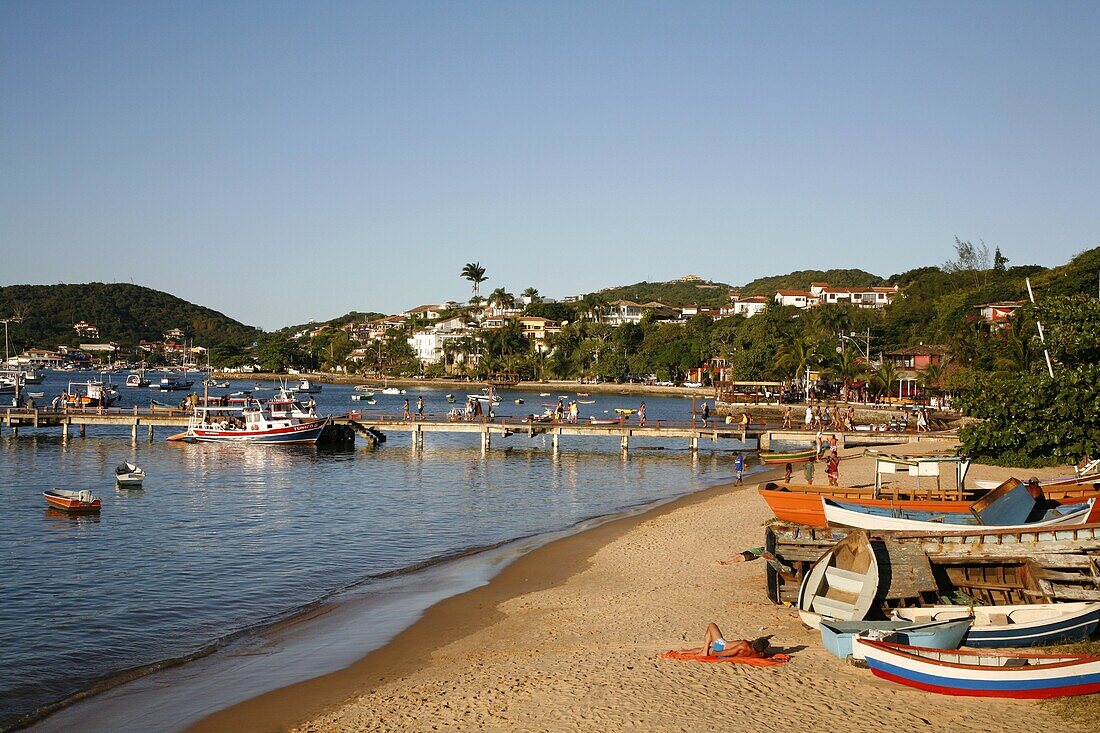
(281, 161)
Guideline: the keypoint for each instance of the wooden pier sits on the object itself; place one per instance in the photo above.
(374, 427)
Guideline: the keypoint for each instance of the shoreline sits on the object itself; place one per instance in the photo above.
(569, 637)
(452, 618)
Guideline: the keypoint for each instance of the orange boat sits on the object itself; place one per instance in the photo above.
(801, 503)
(72, 501)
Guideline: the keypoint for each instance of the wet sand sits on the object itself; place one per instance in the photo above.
(569, 636)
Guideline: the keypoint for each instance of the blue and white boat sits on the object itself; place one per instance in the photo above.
(983, 674)
(172, 383)
(1005, 626)
(838, 636)
(846, 514)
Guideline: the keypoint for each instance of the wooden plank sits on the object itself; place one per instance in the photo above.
(1071, 593)
(1055, 575)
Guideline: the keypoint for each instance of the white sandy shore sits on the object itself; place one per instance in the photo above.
(581, 653)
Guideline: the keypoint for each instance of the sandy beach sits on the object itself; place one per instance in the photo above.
(569, 637)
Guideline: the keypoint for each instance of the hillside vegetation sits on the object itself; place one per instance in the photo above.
(123, 313)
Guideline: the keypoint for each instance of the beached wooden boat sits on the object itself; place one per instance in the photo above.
(845, 514)
(802, 504)
(72, 501)
(790, 457)
(838, 636)
(127, 474)
(991, 567)
(842, 584)
(1019, 625)
(983, 674)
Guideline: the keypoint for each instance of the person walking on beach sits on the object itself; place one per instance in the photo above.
(809, 472)
(834, 444)
(641, 414)
(739, 468)
(405, 410)
(832, 469)
(420, 407)
(809, 417)
(819, 444)
(787, 418)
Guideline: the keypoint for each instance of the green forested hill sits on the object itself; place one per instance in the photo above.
(675, 293)
(124, 313)
(801, 279)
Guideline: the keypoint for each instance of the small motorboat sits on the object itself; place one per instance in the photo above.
(305, 386)
(587, 402)
(393, 390)
(36, 395)
(544, 394)
(450, 399)
(519, 401)
(72, 501)
(137, 379)
(983, 674)
(843, 514)
(362, 396)
(129, 475)
(365, 389)
(623, 411)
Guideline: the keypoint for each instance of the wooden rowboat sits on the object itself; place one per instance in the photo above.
(802, 504)
(838, 637)
(796, 457)
(842, 585)
(991, 567)
(983, 674)
(844, 514)
(72, 501)
(1026, 625)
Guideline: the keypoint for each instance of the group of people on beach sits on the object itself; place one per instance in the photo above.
(827, 417)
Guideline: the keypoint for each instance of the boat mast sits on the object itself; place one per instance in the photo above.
(1042, 338)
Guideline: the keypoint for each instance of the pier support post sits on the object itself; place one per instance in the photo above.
(83, 429)
(14, 431)
(624, 443)
(485, 441)
(150, 433)
(64, 431)
(765, 440)
(693, 443)
(554, 442)
(418, 438)
(133, 433)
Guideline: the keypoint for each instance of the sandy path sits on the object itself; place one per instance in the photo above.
(582, 654)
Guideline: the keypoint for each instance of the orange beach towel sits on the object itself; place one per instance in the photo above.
(772, 661)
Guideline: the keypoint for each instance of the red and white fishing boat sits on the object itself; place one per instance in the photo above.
(72, 501)
(250, 423)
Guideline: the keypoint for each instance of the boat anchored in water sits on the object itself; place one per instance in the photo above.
(128, 475)
(249, 423)
(72, 501)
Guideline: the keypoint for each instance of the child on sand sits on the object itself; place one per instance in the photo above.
(809, 470)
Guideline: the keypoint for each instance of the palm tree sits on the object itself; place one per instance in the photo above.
(1020, 353)
(593, 304)
(532, 295)
(848, 367)
(475, 273)
(502, 299)
(796, 356)
(884, 377)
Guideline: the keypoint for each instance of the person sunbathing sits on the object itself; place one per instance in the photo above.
(716, 645)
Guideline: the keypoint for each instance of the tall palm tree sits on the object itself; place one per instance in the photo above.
(475, 273)
(532, 295)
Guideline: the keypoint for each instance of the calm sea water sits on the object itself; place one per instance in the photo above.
(225, 538)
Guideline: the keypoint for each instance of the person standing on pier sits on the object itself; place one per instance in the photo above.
(706, 415)
(405, 410)
(420, 407)
(641, 414)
